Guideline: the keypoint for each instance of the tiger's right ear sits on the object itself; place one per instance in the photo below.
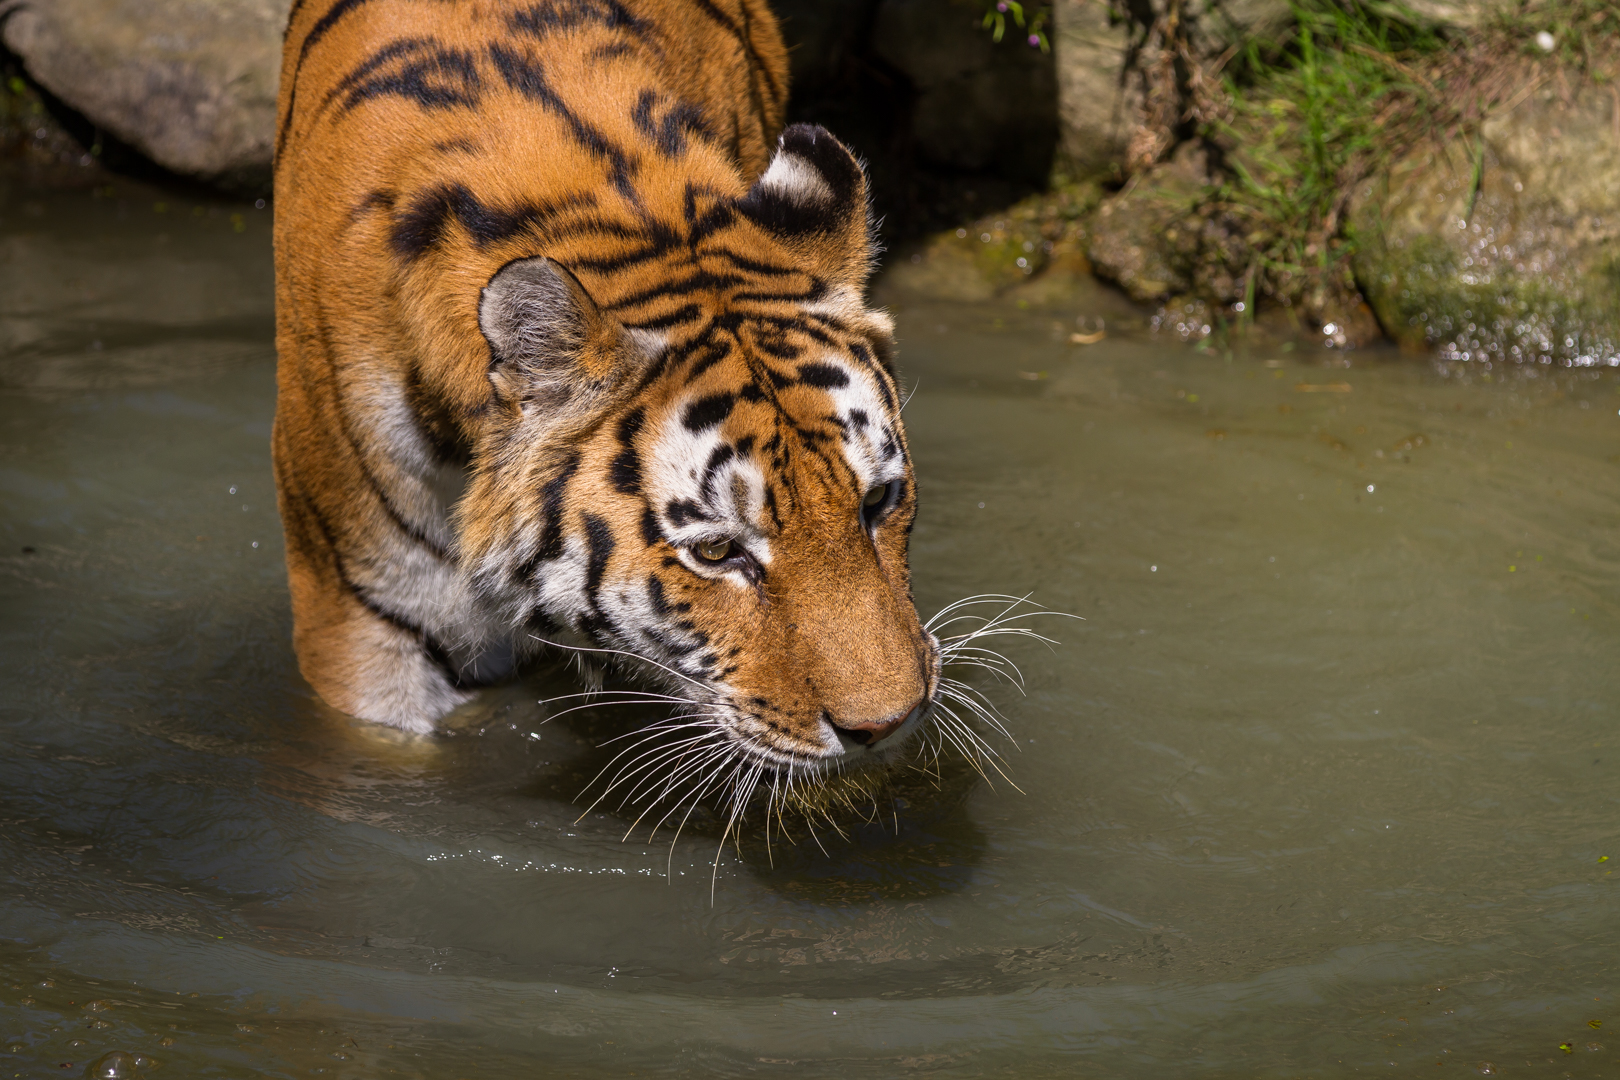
(549, 342)
(813, 198)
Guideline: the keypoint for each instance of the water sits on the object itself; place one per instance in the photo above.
(1321, 785)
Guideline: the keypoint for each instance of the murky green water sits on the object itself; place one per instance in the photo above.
(1322, 785)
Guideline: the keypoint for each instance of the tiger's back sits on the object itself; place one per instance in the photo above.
(574, 350)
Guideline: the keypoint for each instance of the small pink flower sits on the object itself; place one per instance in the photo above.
(1002, 7)
(1034, 40)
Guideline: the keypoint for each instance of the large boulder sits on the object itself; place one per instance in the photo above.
(1506, 249)
(189, 83)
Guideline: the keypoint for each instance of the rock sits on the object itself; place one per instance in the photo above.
(981, 106)
(1148, 238)
(189, 83)
(1098, 108)
(1526, 266)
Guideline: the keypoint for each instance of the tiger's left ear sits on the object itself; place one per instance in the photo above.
(814, 199)
(550, 344)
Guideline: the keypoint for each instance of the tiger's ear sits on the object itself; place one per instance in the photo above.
(814, 199)
(549, 343)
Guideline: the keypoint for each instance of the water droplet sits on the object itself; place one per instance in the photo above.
(114, 1065)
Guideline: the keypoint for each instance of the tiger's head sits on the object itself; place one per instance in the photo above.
(698, 466)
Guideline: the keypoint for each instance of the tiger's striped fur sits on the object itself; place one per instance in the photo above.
(555, 319)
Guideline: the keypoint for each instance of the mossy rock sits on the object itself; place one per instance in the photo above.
(1038, 239)
(1503, 249)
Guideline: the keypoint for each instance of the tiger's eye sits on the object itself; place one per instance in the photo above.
(713, 550)
(875, 496)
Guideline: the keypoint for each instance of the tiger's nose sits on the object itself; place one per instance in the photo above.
(872, 732)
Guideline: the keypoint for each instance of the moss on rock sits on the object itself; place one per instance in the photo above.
(1508, 252)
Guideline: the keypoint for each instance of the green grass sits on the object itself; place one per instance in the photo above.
(1310, 113)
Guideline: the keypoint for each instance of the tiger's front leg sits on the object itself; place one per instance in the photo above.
(383, 626)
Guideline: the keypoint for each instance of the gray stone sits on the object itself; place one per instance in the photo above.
(1098, 107)
(1523, 265)
(189, 83)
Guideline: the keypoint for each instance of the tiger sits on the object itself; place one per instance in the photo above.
(574, 354)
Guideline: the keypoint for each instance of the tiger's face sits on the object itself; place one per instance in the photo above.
(722, 500)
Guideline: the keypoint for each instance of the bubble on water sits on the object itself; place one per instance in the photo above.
(98, 1005)
(118, 1065)
(1485, 1068)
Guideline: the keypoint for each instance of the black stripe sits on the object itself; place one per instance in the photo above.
(599, 545)
(684, 313)
(528, 77)
(697, 281)
(650, 532)
(626, 468)
(541, 20)
(823, 376)
(680, 121)
(551, 508)
(423, 224)
(434, 77)
(681, 511)
(709, 411)
(717, 461)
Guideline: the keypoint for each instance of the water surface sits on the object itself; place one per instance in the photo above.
(1322, 784)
